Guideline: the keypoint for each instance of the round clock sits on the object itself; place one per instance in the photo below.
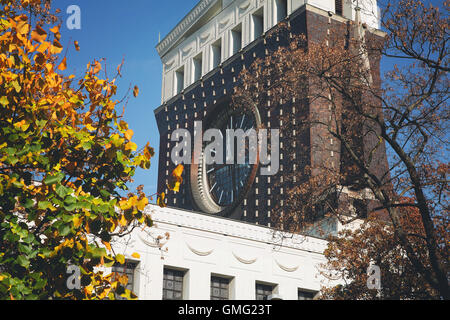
(218, 188)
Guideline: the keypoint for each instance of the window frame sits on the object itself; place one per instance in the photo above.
(176, 273)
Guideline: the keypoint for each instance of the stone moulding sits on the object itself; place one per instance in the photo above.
(200, 9)
(244, 261)
(245, 5)
(198, 252)
(287, 269)
(154, 244)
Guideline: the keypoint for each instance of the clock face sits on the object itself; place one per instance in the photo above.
(219, 187)
(227, 181)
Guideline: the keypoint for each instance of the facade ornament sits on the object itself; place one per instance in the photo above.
(244, 261)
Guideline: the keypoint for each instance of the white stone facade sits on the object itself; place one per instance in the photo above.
(206, 36)
(203, 246)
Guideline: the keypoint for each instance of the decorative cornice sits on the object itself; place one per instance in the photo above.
(184, 25)
(233, 228)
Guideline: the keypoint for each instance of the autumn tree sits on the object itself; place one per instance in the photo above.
(66, 156)
(333, 85)
(351, 253)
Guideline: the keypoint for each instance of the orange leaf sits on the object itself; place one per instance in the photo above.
(55, 29)
(44, 46)
(77, 46)
(136, 255)
(98, 67)
(107, 245)
(39, 34)
(56, 47)
(136, 91)
(63, 65)
(148, 151)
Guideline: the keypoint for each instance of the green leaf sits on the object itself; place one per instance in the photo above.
(62, 191)
(23, 261)
(44, 205)
(64, 230)
(28, 203)
(104, 208)
(98, 252)
(71, 207)
(54, 179)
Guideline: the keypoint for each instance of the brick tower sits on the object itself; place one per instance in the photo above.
(202, 58)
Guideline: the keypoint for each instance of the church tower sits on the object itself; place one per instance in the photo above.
(202, 58)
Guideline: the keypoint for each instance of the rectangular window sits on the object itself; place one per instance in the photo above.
(263, 291)
(306, 295)
(216, 54)
(128, 269)
(236, 40)
(257, 22)
(197, 64)
(338, 7)
(179, 80)
(220, 288)
(280, 10)
(173, 284)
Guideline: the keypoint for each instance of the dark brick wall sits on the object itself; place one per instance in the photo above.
(200, 99)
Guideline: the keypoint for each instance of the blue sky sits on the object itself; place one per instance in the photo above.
(114, 30)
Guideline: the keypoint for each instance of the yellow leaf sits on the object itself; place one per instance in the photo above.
(88, 290)
(136, 255)
(178, 171)
(77, 222)
(176, 180)
(90, 128)
(175, 187)
(131, 146)
(49, 67)
(120, 258)
(142, 204)
(160, 200)
(123, 222)
(22, 26)
(123, 279)
(113, 226)
(129, 134)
